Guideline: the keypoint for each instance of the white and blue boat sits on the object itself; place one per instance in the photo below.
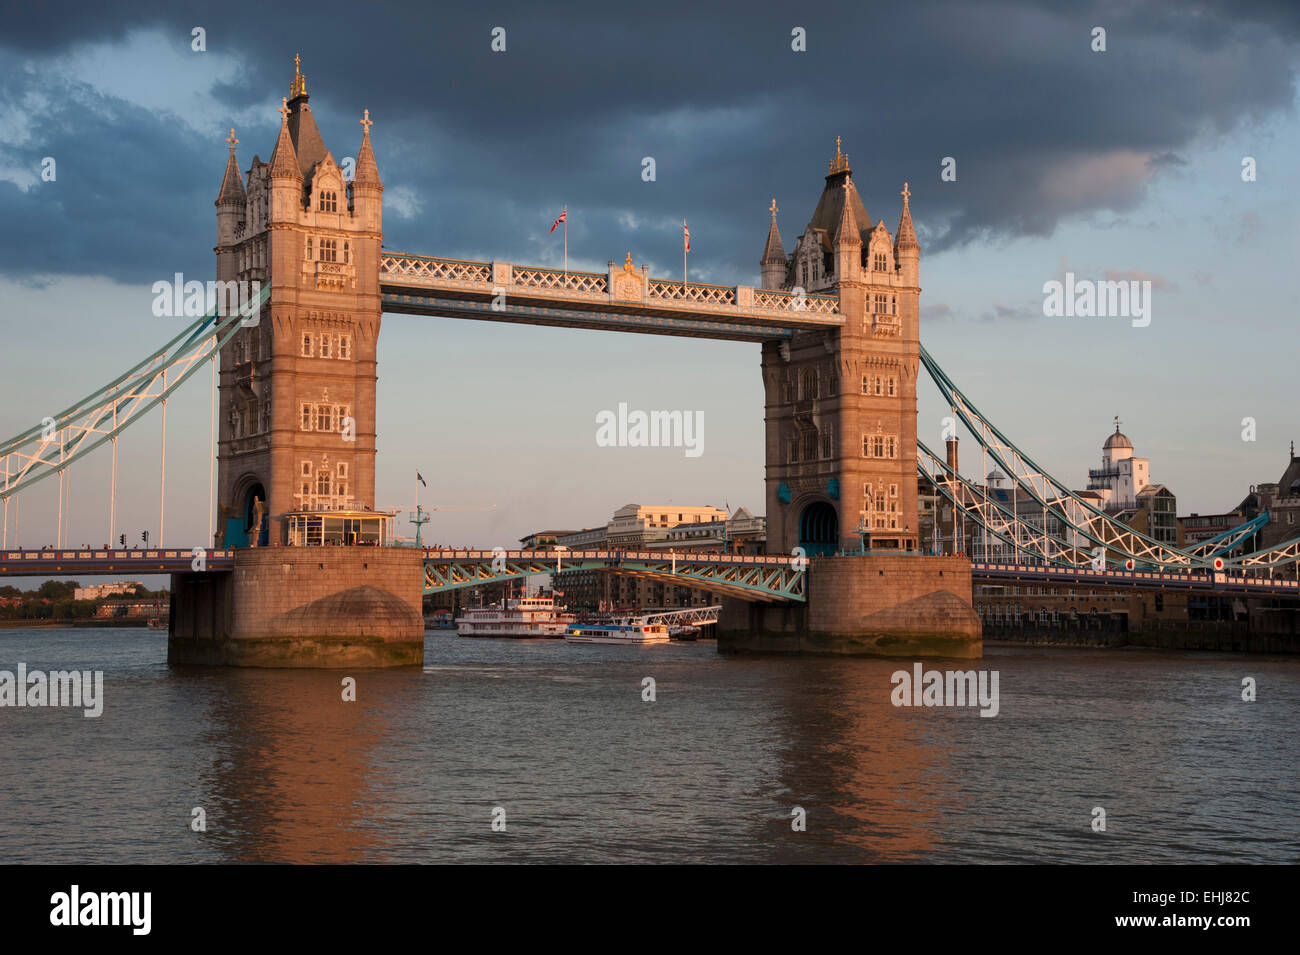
(628, 630)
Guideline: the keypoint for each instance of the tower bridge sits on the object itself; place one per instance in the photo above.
(842, 307)
(837, 322)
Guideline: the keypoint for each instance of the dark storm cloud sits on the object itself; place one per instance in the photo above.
(125, 201)
(489, 145)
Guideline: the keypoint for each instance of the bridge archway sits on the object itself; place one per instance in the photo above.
(255, 492)
(819, 529)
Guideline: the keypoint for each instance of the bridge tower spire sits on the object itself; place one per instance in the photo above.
(906, 249)
(773, 262)
(297, 384)
(848, 241)
(367, 189)
(231, 201)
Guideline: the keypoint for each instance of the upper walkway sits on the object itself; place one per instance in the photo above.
(625, 298)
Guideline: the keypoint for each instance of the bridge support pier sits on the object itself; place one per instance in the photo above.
(865, 605)
(302, 607)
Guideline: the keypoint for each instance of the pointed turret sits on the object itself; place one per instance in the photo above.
(367, 190)
(847, 231)
(232, 206)
(367, 171)
(232, 185)
(847, 242)
(284, 158)
(906, 248)
(286, 177)
(773, 261)
(906, 233)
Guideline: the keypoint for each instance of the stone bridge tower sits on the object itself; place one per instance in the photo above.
(841, 405)
(297, 387)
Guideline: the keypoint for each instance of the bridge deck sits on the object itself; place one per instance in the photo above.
(751, 577)
(755, 577)
(32, 563)
(623, 299)
(1204, 580)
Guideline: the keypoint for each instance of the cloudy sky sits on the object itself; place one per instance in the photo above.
(1123, 163)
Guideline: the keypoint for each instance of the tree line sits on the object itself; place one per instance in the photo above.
(56, 600)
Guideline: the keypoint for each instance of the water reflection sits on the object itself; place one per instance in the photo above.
(290, 773)
(866, 772)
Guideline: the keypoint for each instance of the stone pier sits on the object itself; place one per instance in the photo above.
(865, 605)
(302, 607)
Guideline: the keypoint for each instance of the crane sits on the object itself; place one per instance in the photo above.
(422, 511)
(419, 520)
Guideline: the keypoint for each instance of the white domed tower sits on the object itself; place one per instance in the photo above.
(1121, 475)
(1117, 448)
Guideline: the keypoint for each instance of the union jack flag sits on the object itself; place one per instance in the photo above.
(564, 216)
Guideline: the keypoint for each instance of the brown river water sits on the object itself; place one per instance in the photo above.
(558, 740)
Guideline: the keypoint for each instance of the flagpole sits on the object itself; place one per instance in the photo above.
(566, 244)
(683, 256)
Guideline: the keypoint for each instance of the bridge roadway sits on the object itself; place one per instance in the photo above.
(67, 563)
(753, 577)
(1197, 580)
(765, 578)
(623, 299)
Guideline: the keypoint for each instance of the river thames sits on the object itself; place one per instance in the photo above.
(559, 740)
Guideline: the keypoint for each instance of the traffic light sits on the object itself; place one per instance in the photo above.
(122, 539)
(144, 536)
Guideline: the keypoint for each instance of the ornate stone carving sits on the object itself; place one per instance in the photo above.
(629, 284)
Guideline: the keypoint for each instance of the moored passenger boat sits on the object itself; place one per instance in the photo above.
(521, 617)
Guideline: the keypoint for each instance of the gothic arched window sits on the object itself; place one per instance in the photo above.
(807, 384)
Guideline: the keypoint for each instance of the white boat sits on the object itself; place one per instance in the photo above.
(629, 630)
(522, 617)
